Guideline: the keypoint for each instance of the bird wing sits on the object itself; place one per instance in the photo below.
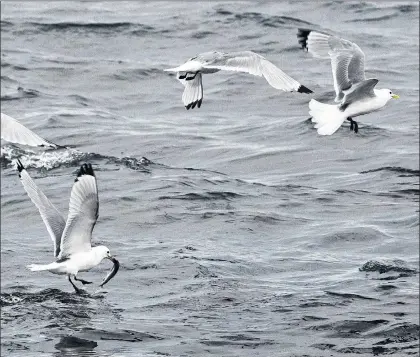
(83, 213)
(193, 91)
(340, 61)
(360, 91)
(15, 132)
(253, 63)
(53, 220)
(347, 58)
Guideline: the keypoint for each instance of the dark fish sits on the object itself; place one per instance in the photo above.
(112, 273)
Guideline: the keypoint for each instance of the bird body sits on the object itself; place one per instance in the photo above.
(189, 66)
(83, 261)
(368, 104)
(329, 117)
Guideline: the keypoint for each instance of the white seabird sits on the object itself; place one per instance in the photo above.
(14, 132)
(190, 73)
(355, 94)
(72, 239)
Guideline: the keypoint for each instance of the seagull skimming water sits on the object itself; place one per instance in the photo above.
(355, 94)
(72, 239)
(190, 73)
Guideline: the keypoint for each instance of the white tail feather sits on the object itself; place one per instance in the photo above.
(327, 118)
(36, 267)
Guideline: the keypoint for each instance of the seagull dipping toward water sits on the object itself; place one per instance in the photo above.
(190, 73)
(355, 94)
(14, 132)
(72, 239)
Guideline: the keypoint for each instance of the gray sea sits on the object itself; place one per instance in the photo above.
(240, 231)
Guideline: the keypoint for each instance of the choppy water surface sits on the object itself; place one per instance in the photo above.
(240, 231)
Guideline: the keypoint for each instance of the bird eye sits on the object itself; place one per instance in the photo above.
(390, 92)
(107, 252)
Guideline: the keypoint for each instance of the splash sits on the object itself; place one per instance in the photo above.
(52, 159)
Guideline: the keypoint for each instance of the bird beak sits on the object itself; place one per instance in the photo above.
(111, 258)
(395, 96)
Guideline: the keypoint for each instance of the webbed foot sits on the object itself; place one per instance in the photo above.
(84, 282)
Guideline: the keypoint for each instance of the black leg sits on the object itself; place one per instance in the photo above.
(74, 286)
(84, 282)
(356, 127)
(353, 125)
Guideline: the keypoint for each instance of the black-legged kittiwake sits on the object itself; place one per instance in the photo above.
(355, 94)
(72, 239)
(190, 73)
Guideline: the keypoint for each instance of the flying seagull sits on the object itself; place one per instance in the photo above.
(72, 239)
(355, 94)
(14, 132)
(190, 73)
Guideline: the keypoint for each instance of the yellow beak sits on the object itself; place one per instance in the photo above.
(395, 96)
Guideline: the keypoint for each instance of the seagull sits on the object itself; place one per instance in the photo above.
(14, 132)
(355, 94)
(190, 73)
(72, 239)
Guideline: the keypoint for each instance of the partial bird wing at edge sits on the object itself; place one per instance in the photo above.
(14, 132)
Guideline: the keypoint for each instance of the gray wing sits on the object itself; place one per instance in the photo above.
(252, 63)
(359, 91)
(347, 59)
(340, 61)
(83, 213)
(15, 132)
(53, 220)
(193, 91)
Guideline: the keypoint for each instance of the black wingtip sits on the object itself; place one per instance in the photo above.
(51, 145)
(303, 89)
(85, 169)
(62, 146)
(19, 166)
(302, 36)
(192, 105)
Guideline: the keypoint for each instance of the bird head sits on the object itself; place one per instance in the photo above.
(103, 252)
(388, 94)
